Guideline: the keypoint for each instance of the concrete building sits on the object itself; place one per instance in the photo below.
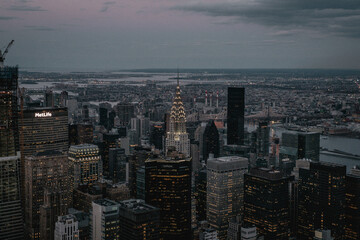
(225, 187)
(105, 220)
(67, 228)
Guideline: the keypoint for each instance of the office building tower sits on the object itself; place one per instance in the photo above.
(85, 116)
(235, 116)
(211, 142)
(352, 209)
(136, 161)
(81, 133)
(266, 202)
(199, 138)
(85, 164)
(249, 233)
(321, 199)
(138, 220)
(195, 155)
(225, 188)
(263, 139)
(54, 206)
(64, 96)
(110, 140)
(177, 136)
(111, 120)
(208, 234)
(322, 234)
(117, 165)
(125, 111)
(234, 230)
(84, 195)
(299, 145)
(67, 228)
(11, 213)
(103, 116)
(157, 135)
(83, 220)
(45, 170)
(168, 187)
(105, 220)
(49, 98)
(140, 183)
(200, 193)
(9, 135)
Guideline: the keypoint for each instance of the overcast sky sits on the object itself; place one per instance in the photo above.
(130, 34)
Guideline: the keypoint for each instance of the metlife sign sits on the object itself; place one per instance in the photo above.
(43, 114)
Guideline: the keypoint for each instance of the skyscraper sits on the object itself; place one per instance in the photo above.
(225, 187)
(352, 210)
(299, 145)
(211, 142)
(177, 136)
(11, 219)
(263, 139)
(321, 199)
(168, 187)
(45, 171)
(266, 203)
(85, 164)
(105, 220)
(138, 220)
(67, 227)
(235, 116)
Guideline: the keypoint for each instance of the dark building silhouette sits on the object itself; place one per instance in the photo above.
(168, 187)
(11, 212)
(81, 133)
(103, 114)
(110, 140)
(235, 116)
(266, 202)
(352, 210)
(138, 220)
(200, 194)
(299, 145)
(49, 98)
(156, 137)
(111, 119)
(136, 161)
(263, 139)
(321, 199)
(211, 142)
(125, 112)
(117, 164)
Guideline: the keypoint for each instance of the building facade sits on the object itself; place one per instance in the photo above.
(235, 116)
(105, 222)
(225, 187)
(168, 187)
(67, 228)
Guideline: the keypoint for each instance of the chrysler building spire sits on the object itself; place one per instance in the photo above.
(177, 135)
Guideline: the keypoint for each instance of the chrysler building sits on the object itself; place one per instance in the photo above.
(177, 135)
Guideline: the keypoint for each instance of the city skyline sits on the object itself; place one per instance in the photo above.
(110, 35)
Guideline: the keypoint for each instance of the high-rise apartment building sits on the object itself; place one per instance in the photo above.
(235, 116)
(105, 220)
(321, 199)
(266, 202)
(168, 187)
(225, 187)
(44, 172)
(177, 136)
(11, 214)
(85, 164)
(138, 220)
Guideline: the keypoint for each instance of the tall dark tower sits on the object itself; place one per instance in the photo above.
(235, 116)
(211, 140)
(11, 220)
(168, 187)
(352, 210)
(321, 199)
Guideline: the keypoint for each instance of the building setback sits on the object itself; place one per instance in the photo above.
(138, 220)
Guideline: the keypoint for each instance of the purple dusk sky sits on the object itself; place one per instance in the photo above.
(127, 34)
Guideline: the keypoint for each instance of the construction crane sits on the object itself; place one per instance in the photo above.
(3, 55)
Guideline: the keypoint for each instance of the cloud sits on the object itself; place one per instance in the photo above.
(106, 6)
(40, 28)
(2, 18)
(337, 17)
(25, 8)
